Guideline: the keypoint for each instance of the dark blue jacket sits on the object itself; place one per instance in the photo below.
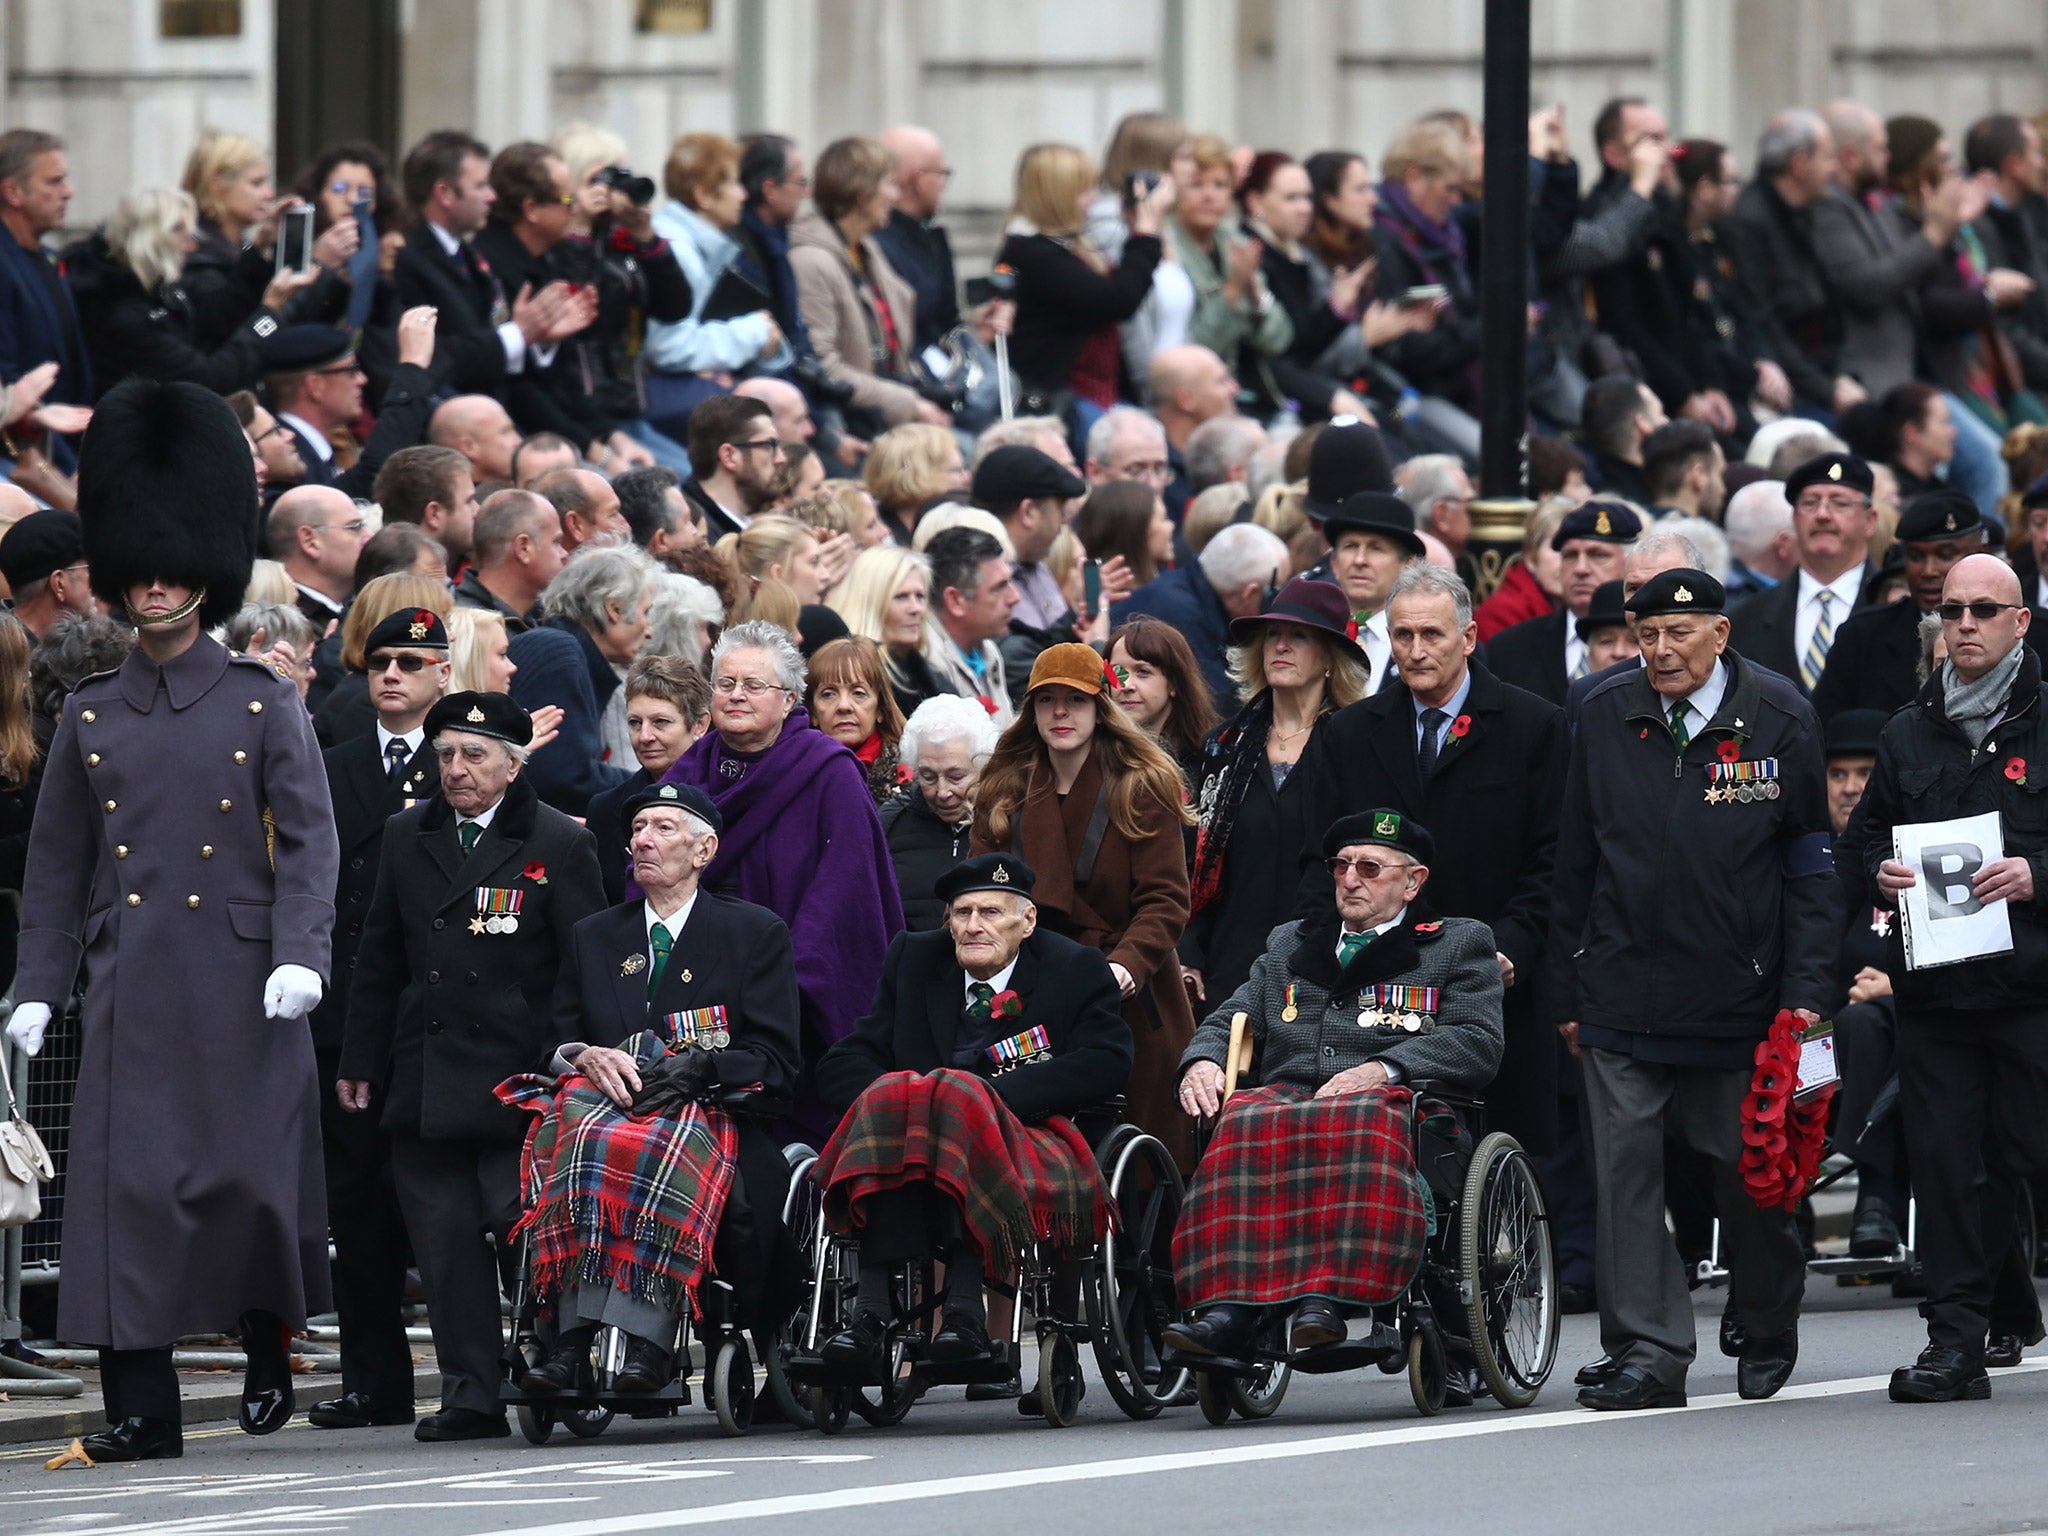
(1184, 599)
(560, 664)
(922, 255)
(764, 259)
(34, 329)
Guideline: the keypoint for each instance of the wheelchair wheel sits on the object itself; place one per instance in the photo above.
(1429, 1370)
(730, 1386)
(889, 1402)
(587, 1423)
(801, 1213)
(828, 1407)
(1059, 1378)
(536, 1423)
(1258, 1397)
(1510, 1272)
(1129, 1296)
(1212, 1396)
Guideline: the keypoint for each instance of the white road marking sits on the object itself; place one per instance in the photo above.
(1182, 1461)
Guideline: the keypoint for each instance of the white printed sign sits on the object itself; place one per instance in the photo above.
(1944, 921)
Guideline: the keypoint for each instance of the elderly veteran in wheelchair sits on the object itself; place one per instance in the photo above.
(1306, 1199)
(652, 1161)
(957, 1143)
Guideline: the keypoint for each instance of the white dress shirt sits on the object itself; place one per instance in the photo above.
(1000, 980)
(1704, 702)
(1842, 594)
(1379, 651)
(312, 434)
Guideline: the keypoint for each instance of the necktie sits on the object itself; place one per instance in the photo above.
(1349, 946)
(395, 757)
(1815, 661)
(1425, 750)
(983, 1004)
(1585, 666)
(1680, 732)
(469, 832)
(658, 939)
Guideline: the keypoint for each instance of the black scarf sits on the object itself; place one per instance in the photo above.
(1243, 743)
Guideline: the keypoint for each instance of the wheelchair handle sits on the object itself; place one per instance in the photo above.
(1237, 1059)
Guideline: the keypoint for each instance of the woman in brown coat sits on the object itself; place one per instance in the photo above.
(1096, 808)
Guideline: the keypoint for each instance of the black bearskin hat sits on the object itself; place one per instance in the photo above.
(167, 491)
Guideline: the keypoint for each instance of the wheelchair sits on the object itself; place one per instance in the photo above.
(1487, 1264)
(1125, 1302)
(728, 1382)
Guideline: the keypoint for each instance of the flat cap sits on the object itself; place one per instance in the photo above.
(990, 872)
(681, 797)
(1846, 469)
(1388, 828)
(1680, 591)
(1943, 513)
(1017, 473)
(43, 542)
(1604, 521)
(481, 714)
(419, 628)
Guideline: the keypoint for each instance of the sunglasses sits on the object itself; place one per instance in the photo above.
(1365, 869)
(1983, 611)
(383, 661)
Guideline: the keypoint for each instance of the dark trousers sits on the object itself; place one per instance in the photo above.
(1973, 1092)
(1568, 1189)
(1632, 1106)
(370, 1249)
(461, 1199)
(139, 1384)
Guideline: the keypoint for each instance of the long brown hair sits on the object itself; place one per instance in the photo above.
(856, 659)
(17, 741)
(1116, 519)
(1191, 714)
(1135, 768)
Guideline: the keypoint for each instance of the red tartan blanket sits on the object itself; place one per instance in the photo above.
(1015, 1183)
(614, 1199)
(1300, 1197)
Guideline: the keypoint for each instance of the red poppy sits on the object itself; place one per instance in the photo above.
(536, 872)
(1006, 1004)
(1460, 726)
(1643, 734)
(2016, 769)
(1351, 629)
(1115, 677)
(1729, 751)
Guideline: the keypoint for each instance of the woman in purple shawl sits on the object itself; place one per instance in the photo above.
(801, 837)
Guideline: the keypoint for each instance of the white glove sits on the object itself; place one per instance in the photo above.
(26, 1026)
(291, 993)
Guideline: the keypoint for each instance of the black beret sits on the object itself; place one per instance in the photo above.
(1943, 513)
(1854, 732)
(1831, 469)
(1017, 473)
(684, 797)
(1388, 828)
(990, 872)
(1607, 609)
(43, 542)
(1347, 457)
(481, 714)
(1379, 512)
(1607, 522)
(302, 348)
(420, 628)
(1680, 591)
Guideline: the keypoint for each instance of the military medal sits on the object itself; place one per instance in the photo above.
(1743, 783)
(1031, 1045)
(697, 1026)
(1411, 1009)
(498, 909)
(1290, 1013)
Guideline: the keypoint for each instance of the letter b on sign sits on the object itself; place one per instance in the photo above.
(1948, 869)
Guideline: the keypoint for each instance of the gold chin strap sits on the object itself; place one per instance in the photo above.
(183, 611)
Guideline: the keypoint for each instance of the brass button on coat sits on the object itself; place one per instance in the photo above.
(92, 760)
(241, 757)
(87, 716)
(120, 850)
(227, 805)
(134, 899)
(204, 853)
(110, 807)
(191, 901)
(255, 707)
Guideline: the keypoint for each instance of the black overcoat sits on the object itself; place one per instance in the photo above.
(1530, 656)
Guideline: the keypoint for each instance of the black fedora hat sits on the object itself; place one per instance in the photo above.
(1317, 605)
(1380, 512)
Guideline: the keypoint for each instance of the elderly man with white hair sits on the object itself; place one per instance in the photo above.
(481, 881)
(1762, 550)
(946, 743)
(1237, 572)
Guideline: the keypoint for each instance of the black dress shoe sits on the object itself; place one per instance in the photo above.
(1629, 1388)
(1316, 1323)
(356, 1410)
(1874, 1231)
(648, 1368)
(1941, 1376)
(267, 1385)
(859, 1344)
(136, 1440)
(461, 1424)
(1766, 1365)
(2003, 1351)
(1220, 1330)
(961, 1339)
(567, 1367)
(1605, 1369)
(1573, 1300)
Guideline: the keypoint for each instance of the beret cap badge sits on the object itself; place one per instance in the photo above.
(1001, 876)
(1682, 595)
(475, 715)
(1834, 471)
(1388, 825)
(1604, 524)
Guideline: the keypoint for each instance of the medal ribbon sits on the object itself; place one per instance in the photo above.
(497, 901)
(694, 1024)
(1744, 772)
(1029, 1043)
(1405, 999)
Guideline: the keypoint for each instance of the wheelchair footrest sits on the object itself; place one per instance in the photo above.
(1350, 1354)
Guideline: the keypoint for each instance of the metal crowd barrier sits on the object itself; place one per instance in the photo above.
(28, 1255)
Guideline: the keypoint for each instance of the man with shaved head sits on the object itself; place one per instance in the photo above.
(1972, 1037)
(480, 429)
(317, 531)
(589, 507)
(785, 402)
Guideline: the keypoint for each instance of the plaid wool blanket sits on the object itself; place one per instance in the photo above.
(614, 1199)
(1015, 1183)
(1300, 1197)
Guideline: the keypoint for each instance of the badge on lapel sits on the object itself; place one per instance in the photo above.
(632, 965)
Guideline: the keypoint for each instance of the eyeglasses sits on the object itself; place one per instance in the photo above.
(384, 661)
(773, 443)
(355, 525)
(1983, 611)
(270, 431)
(1157, 472)
(1364, 869)
(943, 172)
(352, 190)
(752, 687)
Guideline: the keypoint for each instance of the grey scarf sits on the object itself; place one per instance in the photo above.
(1973, 708)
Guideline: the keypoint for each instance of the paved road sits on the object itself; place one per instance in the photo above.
(1344, 1453)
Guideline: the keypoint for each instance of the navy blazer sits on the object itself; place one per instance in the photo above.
(33, 331)
(730, 954)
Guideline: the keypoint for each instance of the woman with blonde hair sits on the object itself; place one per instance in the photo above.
(1070, 300)
(886, 598)
(910, 468)
(1095, 807)
(774, 552)
(347, 711)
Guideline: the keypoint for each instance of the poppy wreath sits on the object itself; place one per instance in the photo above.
(1781, 1137)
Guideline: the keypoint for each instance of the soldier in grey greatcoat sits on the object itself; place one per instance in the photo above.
(184, 855)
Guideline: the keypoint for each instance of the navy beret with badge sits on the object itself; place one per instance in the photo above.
(1387, 828)
(1680, 591)
(1943, 513)
(418, 628)
(990, 872)
(1844, 469)
(481, 714)
(1603, 521)
(303, 348)
(683, 797)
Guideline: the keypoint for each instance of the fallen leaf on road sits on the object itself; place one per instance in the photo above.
(75, 1454)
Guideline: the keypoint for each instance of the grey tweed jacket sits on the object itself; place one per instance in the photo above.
(1449, 1033)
